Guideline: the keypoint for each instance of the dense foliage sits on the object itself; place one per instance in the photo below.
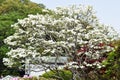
(64, 74)
(10, 12)
(112, 63)
(74, 32)
(31, 78)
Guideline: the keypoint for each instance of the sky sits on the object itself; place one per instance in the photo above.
(107, 11)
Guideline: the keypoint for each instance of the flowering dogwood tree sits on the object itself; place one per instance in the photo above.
(74, 32)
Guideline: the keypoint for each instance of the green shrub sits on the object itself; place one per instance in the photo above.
(35, 78)
(42, 78)
(64, 74)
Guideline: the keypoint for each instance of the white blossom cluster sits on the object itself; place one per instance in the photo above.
(70, 31)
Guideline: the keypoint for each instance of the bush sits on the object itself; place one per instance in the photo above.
(42, 78)
(64, 74)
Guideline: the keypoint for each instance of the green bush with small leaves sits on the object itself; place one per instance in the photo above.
(60, 74)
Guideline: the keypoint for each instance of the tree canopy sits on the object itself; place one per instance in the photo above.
(74, 32)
